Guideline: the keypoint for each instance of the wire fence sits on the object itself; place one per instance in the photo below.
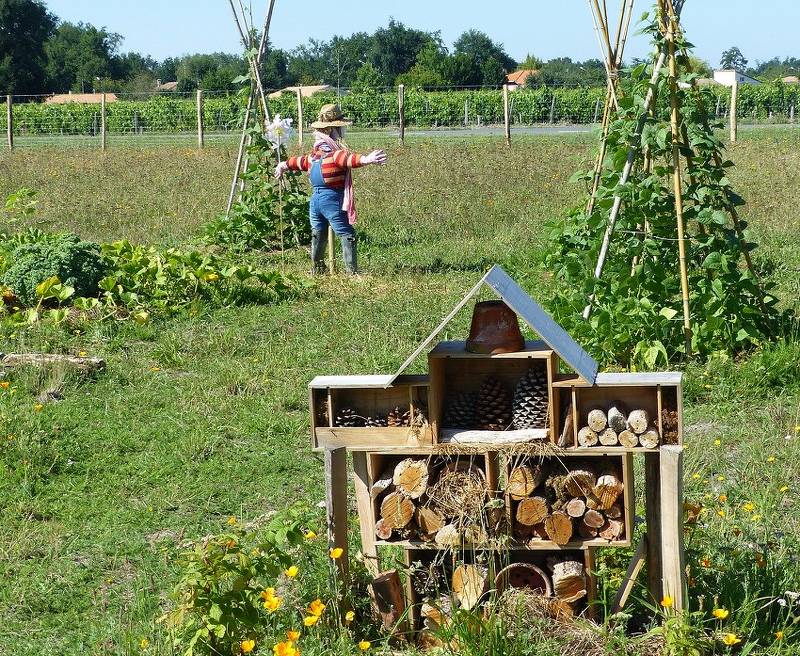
(152, 118)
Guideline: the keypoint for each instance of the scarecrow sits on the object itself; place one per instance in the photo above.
(329, 168)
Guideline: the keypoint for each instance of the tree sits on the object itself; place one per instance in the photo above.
(481, 48)
(25, 26)
(562, 71)
(79, 54)
(531, 63)
(776, 68)
(461, 70)
(700, 66)
(367, 79)
(167, 70)
(733, 58)
(394, 49)
(428, 71)
(275, 69)
(214, 71)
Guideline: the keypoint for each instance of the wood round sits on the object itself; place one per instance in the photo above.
(523, 575)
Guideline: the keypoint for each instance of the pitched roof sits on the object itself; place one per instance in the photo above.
(83, 98)
(167, 86)
(520, 77)
(791, 79)
(306, 91)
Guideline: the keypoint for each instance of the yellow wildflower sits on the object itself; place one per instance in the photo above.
(316, 608)
(705, 562)
(349, 616)
(778, 635)
(771, 459)
(364, 645)
(82, 354)
(749, 507)
(667, 601)
(784, 488)
(310, 535)
(5, 384)
(731, 639)
(267, 593)
(292, 636)
(144, 644)
(721, 613)
(709, 387)
(231, 521)
(695, 476)
(336, 553)
(246, 646)
(286, 649)
(756, 518)
(717, 442)
(720, 478)
(38, 407)
(292, 571)
(272, 604)
(721, 513)
(723, 498)
(311, 620)
(155, 369)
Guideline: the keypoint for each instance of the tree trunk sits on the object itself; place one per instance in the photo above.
(587, 437)
(411, 477)
(523, 481)
(579, 482)
(594, 518)
(397, 510)
(382, 532)
(82, 364)
(608, 489)
(532, 511)
(576, 507)
(638, 421)
(558, 527)
(428, 520)
(612, 529)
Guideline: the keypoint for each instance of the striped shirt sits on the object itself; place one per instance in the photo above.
(334, 165)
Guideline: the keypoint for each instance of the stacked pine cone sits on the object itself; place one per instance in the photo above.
(531, 400)
(494, 406)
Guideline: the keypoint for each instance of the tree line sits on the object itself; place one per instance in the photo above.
(41, 54)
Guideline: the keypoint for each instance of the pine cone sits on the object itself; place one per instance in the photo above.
(322, 413)
(376, 421)
(494, 406)
(348, 418)
(531, 400)
(398, 418)
(461, 411)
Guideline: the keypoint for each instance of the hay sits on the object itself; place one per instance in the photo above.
(460, 493)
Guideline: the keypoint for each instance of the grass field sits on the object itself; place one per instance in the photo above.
(203, 417)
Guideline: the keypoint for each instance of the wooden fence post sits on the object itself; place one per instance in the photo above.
(507, 114)
(596, 110)
(652, 471)
(300, 115)
(201, 137)
(553, 110)
(336, 506)
(401, 105)
(734, 107)
(672, 556)
(466, 112)
(103, 121)
(10, 120)
(791, 113)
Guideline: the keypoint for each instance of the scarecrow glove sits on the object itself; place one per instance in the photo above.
(281, 169)
(375, 157)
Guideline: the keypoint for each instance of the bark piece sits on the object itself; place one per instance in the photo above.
(532, 511)
(617, 419)
(411, 477)
(386, 592)
(649, 439)
(569, 581)
(469, 584)
(587, 437)
(576, 507)
(638, 421)
(448, 536)
(382, 483)
(608, 489)
(579, 482)
(597, 420)
(428, 520)
(628, 439)
(397, 510)
(608, 437)
(82, 364)
(612, 530)
(558, 527)
(523, 481)
(382, 532)
(566, 438)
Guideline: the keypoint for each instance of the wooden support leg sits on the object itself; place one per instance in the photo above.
(630, 577)
(591, 587)
(672, 556)
(652, 516)
(336, 505)
(365, 518)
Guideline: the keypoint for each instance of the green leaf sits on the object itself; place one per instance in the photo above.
(668, 313)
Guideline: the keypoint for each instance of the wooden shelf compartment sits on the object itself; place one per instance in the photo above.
(409, 393)
(670, 400)
(632, 397)
(455, 371)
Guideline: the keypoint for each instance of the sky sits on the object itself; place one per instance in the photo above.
(547, 29)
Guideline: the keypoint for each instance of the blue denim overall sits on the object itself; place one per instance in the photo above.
(325, 209)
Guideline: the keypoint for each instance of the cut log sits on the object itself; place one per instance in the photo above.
(629, 439)
(617, 419)
(579, 482)
(649, 439)
(386, 592)
(594, 519)
(592, 502)
(539, 533)
(558, 527)
(587, 437)
(428, 520)
(532, 511)
(383, 483)
(567, 437)
(569, 581)
(576, 507)
(612, 530)
(437, 614)
(469, 584)
(382, 532)
(397, 510)
(448, 536)
(608, 437)
(608, 489)
(638, 421)
(587, 532)
(411, 477)
(597, 420)
(80, 363)
(523, 481)
(615, 512)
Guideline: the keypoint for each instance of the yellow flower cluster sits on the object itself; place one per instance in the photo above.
(314, 612)
(286, 649)
(271, 601)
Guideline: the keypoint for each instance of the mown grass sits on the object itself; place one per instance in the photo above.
(205, 416)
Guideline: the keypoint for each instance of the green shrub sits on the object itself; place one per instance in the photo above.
(74, 262)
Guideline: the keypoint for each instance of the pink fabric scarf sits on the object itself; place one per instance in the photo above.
(324, 142)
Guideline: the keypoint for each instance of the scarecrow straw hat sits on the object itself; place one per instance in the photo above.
(330, 116)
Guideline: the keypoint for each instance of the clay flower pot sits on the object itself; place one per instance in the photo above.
(495, 329)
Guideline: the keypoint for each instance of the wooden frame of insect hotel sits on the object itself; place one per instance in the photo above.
(497, 469)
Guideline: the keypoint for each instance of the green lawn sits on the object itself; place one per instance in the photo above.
(202, 417)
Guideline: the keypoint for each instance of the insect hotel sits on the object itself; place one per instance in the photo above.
(506, 466)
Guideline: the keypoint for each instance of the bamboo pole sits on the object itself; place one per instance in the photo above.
(240, 156)
(675, 121)
(331, 257)
(10, 121)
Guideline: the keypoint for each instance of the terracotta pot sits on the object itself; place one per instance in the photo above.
(495, 329)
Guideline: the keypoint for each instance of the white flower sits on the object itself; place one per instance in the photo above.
(782, 603)
(280, 131)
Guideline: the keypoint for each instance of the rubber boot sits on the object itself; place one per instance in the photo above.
(319, 240)
(349, 254)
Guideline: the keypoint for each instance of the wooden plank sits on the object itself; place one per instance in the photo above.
(537, 545)
(519, 436)
(371, 439)
(366, 519)
(553, 411)
(313, 411)
(591, 587)
(336, 509)
(638, 379)
(366, 381)
(671, 508)
(629, 494)
(436, 397)
(660, 419)
(635, 567)
(542, 323)
(652, 496)
(575, 427)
